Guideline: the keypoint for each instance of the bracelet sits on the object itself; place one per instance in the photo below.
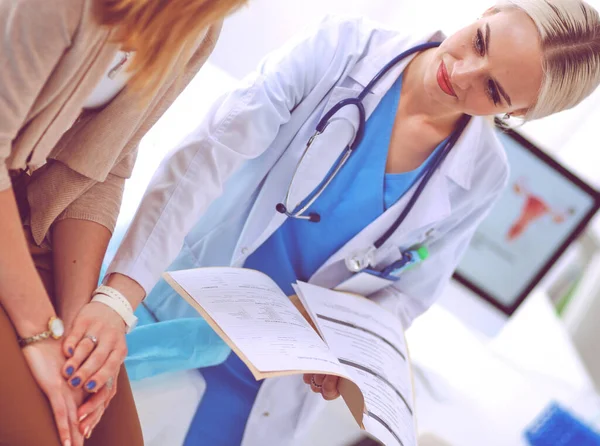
(128, 317)
(118, 305)
(115, 294)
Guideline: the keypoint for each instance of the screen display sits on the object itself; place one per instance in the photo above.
(541, 211)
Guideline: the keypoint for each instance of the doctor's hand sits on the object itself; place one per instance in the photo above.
(326, 385)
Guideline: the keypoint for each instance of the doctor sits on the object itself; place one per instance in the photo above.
(245, 190)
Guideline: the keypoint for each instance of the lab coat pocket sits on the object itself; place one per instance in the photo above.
(365, 283)
(423, 237)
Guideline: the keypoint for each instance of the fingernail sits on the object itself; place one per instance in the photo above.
(89, 434)
(67, 442)
(83, 417)
(75, 381)
(71, 351)
(90, 386)
(70, 370)
(86, 432)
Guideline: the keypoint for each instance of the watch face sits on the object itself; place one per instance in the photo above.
(57, 328)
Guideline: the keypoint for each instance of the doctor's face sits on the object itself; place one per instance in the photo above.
(492, 66)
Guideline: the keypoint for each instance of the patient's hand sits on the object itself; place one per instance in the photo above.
(95, 349)
(326, 385)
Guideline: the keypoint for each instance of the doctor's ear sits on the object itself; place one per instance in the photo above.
(506, 122)
(522, 113)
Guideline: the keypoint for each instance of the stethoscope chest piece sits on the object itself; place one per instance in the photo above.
(359, 260)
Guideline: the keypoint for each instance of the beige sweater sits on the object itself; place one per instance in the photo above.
(52, 55)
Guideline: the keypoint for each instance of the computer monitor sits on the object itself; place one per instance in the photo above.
(542, 211)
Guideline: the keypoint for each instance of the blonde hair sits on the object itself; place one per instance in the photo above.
(159, 31)
(570, 37)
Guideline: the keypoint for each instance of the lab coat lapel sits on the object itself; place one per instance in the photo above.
(367, 68)
(325, 150)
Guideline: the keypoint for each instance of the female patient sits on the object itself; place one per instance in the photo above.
(61, 179)
(245, 190)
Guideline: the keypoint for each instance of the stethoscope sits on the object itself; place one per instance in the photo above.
(358, 262)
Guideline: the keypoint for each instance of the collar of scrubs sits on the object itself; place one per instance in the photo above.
(459, 164)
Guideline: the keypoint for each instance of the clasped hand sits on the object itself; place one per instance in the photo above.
(95, 349)
(79, 375)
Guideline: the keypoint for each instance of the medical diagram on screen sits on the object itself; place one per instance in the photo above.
(535, 208)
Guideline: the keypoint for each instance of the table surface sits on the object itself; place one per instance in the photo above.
(491, 390)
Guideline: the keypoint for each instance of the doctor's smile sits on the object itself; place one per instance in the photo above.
(444, 80)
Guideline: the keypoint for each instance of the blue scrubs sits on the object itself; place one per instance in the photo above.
(359, 194)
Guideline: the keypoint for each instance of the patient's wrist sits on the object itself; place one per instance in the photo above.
(132, 290)
(29, 321)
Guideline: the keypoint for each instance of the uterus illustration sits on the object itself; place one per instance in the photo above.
(534, 208)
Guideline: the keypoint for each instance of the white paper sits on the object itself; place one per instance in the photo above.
(259, 319)
(370, 342)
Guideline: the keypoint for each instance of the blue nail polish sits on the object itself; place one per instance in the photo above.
(90, 385)
(70, 370)
(75, 381)
(71, 351)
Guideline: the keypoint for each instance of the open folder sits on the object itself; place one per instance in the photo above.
(318, 331)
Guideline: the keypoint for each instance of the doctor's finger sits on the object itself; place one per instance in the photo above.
(315, 385)
(330, 387)
(318, 379)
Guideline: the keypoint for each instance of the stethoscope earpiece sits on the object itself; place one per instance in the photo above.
(314, 217)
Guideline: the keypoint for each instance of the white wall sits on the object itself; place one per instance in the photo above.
(266, 24)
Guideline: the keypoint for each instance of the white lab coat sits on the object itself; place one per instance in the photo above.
(215, 194)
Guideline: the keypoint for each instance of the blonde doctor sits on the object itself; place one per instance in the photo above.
(244, 190)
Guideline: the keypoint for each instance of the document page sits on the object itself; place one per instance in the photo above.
(259, 319)
(369, 341)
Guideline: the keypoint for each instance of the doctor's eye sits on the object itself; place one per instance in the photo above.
(492, 92)
(479, 43)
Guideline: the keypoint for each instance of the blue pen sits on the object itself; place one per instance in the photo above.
(409, 259)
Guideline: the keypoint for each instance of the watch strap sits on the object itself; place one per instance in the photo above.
(55, 330)
(35, 338)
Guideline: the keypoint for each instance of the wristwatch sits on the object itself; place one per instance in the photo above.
(56, 330)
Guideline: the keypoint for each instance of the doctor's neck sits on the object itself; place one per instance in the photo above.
(416, 103)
